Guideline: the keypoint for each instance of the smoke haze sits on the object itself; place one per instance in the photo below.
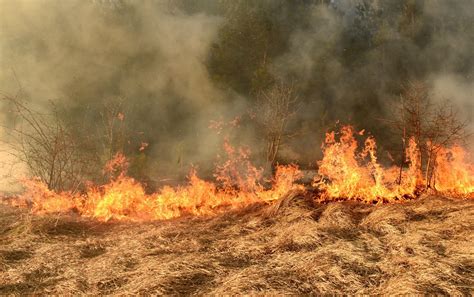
(348, 59)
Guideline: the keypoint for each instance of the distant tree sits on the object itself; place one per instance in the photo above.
(411, 18)
(367, 21)
(116, 137)
(113, 135)
(276, 106)
(247, 42)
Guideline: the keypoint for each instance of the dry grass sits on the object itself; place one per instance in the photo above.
(292, 247)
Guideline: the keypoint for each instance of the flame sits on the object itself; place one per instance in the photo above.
(454, 174)
(346, 172)
(123, 198)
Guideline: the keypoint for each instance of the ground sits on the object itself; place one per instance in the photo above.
(293, 246)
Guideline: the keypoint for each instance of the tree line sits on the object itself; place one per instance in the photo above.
(298, 66)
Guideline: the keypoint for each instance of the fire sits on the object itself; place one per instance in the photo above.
(349, 173)
(346, 172)
(123, 198)
(42, 200)
(454, 175)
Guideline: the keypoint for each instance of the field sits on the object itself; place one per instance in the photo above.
(292, 246)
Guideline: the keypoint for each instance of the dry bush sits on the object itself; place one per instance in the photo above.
(45, 143)
(63, 153)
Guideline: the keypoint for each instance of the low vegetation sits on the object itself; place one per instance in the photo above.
(293, 246)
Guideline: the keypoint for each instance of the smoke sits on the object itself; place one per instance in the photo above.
(460, 91)
(349, 60)
(352, 58)
(453, 79)
(148, 54)
(124, 45)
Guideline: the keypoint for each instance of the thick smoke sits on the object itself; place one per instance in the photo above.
(348, 59)
(454, 47)
(147, 54)
(352, 58)
(461, 91)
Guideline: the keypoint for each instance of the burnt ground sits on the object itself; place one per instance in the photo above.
(291, 246)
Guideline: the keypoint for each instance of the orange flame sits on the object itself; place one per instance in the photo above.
(346, 172)
(349, 174)
(454, 174)
(125, 199)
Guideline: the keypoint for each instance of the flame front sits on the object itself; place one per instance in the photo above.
(454, 175)
(346, 172)
(125, 199)
(349, 174)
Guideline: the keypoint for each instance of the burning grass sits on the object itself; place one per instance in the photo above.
(293, 246)
(346, 172)
(237, 236)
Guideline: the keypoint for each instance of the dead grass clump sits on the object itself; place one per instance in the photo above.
(187, 283)
(127, 262)
(92, 250)
(66, 226)
(337, 215)
(33, 282)
(292, 200)
(15, 255)
(110, 285)
(19, 288)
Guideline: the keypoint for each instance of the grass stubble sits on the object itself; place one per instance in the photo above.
(293, 246)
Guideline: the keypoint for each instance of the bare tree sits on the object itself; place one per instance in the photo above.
(444, 129)
(276, 106)
(432, 125)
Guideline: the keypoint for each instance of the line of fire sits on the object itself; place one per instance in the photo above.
(236, 147)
